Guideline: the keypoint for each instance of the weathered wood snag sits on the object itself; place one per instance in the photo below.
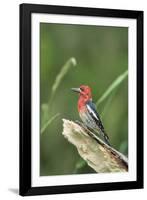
(97, 154)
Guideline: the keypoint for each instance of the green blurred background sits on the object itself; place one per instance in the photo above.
(102, 55)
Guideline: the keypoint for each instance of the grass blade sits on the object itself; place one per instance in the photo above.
(112, 87)
(49, 122)
(107, 104)
(70, 63)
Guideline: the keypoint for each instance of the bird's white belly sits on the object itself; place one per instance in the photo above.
(87, 120)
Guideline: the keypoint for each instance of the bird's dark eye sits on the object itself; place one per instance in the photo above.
(82, 89)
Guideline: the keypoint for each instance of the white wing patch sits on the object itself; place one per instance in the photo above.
(91, 111)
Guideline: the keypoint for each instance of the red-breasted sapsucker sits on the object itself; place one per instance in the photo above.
(88, 113)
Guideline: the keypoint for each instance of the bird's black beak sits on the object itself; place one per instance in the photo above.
(78, 90)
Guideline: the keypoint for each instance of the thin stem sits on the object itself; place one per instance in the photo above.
(49, 122)
(64, 70)
(112, 87)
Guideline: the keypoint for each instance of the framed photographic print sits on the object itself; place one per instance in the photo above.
(81, 99)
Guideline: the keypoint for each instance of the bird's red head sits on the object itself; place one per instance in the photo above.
(84, 95)
(85, 92)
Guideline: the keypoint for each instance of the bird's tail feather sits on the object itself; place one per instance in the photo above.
(103, 134)
(106, 138)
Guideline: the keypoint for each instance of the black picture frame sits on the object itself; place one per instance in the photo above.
(25, 187)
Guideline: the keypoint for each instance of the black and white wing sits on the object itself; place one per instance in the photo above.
(95, 116)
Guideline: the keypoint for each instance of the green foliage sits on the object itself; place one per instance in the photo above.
(46, 108)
